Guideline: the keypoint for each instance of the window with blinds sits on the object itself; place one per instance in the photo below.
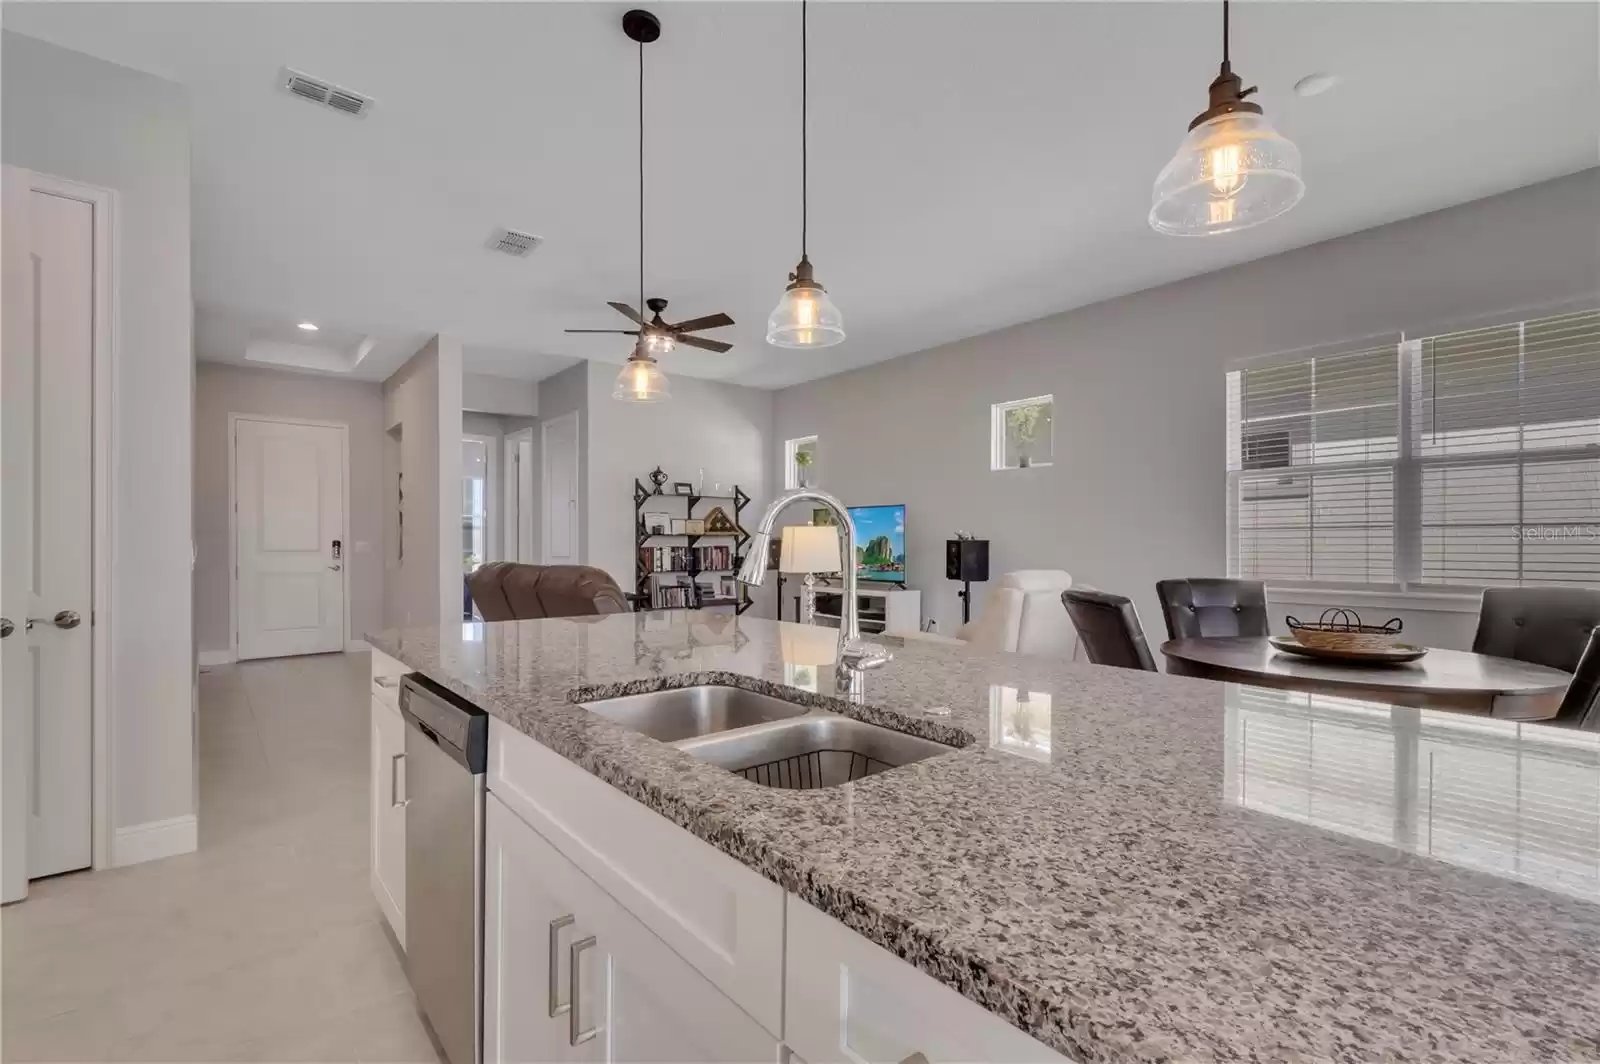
(1312, 452)
(1463, 460)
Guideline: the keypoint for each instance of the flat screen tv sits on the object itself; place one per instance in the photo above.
(880, 542)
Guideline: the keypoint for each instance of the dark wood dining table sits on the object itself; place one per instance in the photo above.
(1442, 679)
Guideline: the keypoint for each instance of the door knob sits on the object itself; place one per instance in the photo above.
(6, 627)
(336, 568)
(63, 619)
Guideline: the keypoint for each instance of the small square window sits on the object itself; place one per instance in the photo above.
(1021, 433)
(799, 464)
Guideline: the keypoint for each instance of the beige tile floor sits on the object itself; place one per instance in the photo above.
(266, 944)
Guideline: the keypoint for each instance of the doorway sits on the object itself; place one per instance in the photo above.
(559, 446)
(290, 485)
(55, 528)
(521, 500)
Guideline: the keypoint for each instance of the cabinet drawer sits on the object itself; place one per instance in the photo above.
(721, 917)
(850, 1001)
(386, 673)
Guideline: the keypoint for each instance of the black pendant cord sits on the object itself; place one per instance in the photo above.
(805, 125)
(641, 182)
(1225, 34)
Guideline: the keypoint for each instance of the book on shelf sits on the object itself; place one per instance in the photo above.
(683, 559)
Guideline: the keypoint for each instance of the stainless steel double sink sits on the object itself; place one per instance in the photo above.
(766, 740)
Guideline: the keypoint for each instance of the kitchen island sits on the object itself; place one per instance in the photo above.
(1123, 866)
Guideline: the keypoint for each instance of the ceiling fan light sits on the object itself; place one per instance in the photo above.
(641, 380)
(1231, 172)
(657, 343)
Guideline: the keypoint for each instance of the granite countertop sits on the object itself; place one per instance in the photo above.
(1127, 866)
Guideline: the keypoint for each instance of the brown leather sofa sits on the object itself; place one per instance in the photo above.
(512, 591)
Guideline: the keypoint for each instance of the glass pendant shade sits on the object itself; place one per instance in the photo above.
(641, 381)
(1231, 172)
(805, 317)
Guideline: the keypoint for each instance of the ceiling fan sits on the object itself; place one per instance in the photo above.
(641, 380)
(660, 336)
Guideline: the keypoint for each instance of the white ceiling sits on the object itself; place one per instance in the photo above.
(973, 165)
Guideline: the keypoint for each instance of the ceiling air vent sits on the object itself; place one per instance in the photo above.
(511, 242)
(327, 94)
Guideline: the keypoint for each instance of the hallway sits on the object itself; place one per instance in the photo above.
(266, 944)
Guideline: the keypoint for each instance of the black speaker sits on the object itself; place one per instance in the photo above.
(966, 559)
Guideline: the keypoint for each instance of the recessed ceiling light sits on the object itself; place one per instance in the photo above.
(308, 326)
(1315, 84)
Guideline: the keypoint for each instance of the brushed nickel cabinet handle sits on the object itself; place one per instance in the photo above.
(395, 801)
(575, 1035)
(556, 1005)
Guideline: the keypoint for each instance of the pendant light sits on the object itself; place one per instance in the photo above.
(1232, 171)
(641, 379)
(805, 316)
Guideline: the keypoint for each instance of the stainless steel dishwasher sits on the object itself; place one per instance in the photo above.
(446, 752)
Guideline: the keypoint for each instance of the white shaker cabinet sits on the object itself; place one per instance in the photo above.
(386, 789)
(570, 976)
(850, 1001)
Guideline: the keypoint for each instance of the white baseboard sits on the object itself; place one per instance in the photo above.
(209, 658)
(356, 646)
(154, 840)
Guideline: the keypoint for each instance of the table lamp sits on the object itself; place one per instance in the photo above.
(809, 549)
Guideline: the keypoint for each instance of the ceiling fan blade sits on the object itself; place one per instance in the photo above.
(701, 342)
(626, 311)
(618, 332)
(710, 321)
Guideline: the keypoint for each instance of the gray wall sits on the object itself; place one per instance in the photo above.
(721, 428)
(221, 390)
(487, 394)
(1137, 491)
(422, 420)
(71, 116)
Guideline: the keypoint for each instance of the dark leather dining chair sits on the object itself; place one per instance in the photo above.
(512, 591)
(1581, 707)
(1543, 625)
(1109, 629)
(1202, 607)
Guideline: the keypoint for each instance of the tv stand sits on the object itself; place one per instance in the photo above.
(881, 608)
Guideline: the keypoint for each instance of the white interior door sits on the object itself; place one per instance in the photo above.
(559, 443)
(521, 507)
(289, 494)
(47, 530)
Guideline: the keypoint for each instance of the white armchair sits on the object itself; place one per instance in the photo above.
(1022, 614)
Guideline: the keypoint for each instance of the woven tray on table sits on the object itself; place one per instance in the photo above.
(1341, 629)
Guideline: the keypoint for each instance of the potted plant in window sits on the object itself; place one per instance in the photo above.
(802, 462)
(1023, 424)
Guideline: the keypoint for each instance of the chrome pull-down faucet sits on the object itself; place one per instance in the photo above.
(854, 652)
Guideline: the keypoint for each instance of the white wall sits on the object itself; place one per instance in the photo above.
(721, 428)
(422, 417)
(485, 394)
(221, 390)
(1137, 491)
(75, 117)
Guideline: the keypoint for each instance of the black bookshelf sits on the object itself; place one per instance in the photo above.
(644, 586)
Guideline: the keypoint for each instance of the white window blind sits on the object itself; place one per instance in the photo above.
(1312, 452)
(1508, 440)
(1463, 460)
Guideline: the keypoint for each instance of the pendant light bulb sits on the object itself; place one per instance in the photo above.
(641, 380)
(657, 343)
(1232, 171)
(804, 316)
